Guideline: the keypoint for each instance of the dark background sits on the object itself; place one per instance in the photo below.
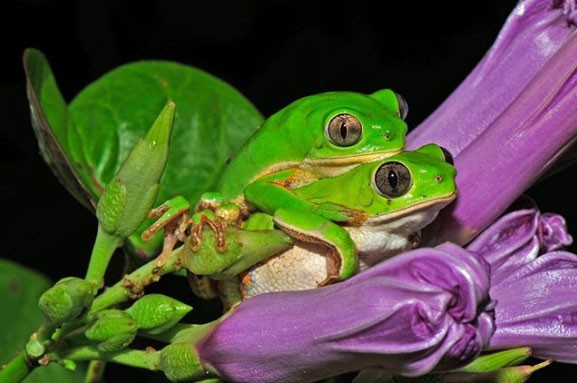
(272, 51)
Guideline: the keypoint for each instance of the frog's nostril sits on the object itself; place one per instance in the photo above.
(448, 156)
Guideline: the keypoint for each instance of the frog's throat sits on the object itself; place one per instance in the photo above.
(434, 205)
(350, 160)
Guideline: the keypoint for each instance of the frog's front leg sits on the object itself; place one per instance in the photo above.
(313, 228)
(173, 216)
(275, 192)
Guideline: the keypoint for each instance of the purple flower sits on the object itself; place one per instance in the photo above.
(510, 119)
(426, 310)
(536, 294)
(534, 31)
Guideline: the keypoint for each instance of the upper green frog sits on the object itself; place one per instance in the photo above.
(322, 135)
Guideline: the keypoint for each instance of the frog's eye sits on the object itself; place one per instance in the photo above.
(344, 130)
(392, 179)
(403, 106)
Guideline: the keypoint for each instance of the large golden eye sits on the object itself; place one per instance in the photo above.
(392, 179)
(403, 106)
(345, 130)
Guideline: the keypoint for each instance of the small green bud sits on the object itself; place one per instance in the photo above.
(69, 364)
(156, 313)
(130, 195)
(245, 248)
(35, 349)
(66, 300)
(517, 374)
(112, 330)
(499, 359)
(179, 361)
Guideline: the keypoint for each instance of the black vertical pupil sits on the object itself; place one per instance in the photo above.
(393, 179)
(344, 130)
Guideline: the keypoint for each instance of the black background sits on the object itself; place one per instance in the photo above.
(272, 51)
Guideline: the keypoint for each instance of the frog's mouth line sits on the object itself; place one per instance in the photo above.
(351, 160)
(439, 202)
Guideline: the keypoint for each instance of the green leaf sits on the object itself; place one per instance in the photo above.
(86, 142)
(212, 120)
(52, 123)
(20, 289)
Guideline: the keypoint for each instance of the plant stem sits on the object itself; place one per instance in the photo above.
(128, 357)
(132, 285)
(17, 369)
(104, 247)
(95, 371)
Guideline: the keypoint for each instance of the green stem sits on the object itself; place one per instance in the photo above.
(133, 284)
(128, 357)
(104, 247)
(95, 371)
(17, 369)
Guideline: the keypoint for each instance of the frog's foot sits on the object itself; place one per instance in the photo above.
(173, 211)
(172, 215)
(215, 223)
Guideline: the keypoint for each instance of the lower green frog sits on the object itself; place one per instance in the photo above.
(383, 206)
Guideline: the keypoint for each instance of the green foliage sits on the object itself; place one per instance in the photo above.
(86, 141)
(20, 289)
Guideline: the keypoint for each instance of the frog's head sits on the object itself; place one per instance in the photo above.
(345, 128)
(410, 188)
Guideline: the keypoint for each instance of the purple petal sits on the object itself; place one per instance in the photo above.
(534, 31)
(517, 238)
(509, 243)
(424, 310)
(537, 307)
(553, 233)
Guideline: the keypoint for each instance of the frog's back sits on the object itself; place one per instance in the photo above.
(270, 149)
(296, 134)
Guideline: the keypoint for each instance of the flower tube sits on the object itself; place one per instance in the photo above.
(532, 34)
(427, 310)
(510, 119)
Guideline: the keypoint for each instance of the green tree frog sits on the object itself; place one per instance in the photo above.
(389, 202)
(315, 137)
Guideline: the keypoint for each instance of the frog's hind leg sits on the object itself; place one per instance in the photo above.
(313, 228)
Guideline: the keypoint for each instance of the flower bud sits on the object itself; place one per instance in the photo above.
(179, 361)
(499, 359)
(35, 348)
(130, 195)
(66, 300)
(517, 374)
(112, 330)
(156, 313)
